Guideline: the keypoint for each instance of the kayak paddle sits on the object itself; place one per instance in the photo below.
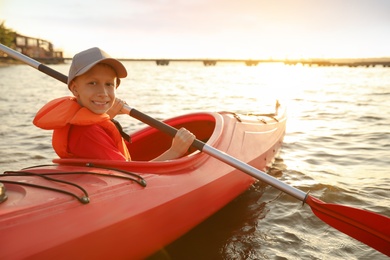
(368, 227)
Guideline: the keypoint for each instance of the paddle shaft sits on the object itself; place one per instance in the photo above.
(368, 227)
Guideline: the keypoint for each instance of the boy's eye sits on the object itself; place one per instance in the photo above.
(108, 84)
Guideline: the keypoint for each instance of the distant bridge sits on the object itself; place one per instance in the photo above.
(206, 62)
(385, 62)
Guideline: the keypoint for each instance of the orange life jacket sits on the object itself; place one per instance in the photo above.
(59, 114)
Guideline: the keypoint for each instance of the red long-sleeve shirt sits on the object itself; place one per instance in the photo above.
(92, 141)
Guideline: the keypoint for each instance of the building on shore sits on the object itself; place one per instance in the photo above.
(38, 49)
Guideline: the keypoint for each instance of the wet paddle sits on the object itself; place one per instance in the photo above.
(368, 227)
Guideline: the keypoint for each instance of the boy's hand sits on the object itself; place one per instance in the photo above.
(182, 141)
(116, 108)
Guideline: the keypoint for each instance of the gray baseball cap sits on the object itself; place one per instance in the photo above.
(85, 60)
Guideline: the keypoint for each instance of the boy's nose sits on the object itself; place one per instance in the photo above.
(102, 89)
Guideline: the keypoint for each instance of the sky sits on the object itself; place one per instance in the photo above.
(245, 29)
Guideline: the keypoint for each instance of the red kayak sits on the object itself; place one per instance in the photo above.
(89, 209)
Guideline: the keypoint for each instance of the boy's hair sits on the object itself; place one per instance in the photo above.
(85, 60)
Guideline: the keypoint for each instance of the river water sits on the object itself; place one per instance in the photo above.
(337, 146)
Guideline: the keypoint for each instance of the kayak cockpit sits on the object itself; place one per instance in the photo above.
(149, 142)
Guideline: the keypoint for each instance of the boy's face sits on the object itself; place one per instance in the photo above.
(96, 88)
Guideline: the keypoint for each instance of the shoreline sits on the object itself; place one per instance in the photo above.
(362, 62)
(5, 61)
(8, 61)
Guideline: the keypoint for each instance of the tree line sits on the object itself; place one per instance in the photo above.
(7, 36)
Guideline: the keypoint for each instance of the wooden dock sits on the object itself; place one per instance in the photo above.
(35, 48)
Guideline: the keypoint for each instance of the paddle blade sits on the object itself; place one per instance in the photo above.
(368, 227)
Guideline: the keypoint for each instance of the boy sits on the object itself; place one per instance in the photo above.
(82, 124)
